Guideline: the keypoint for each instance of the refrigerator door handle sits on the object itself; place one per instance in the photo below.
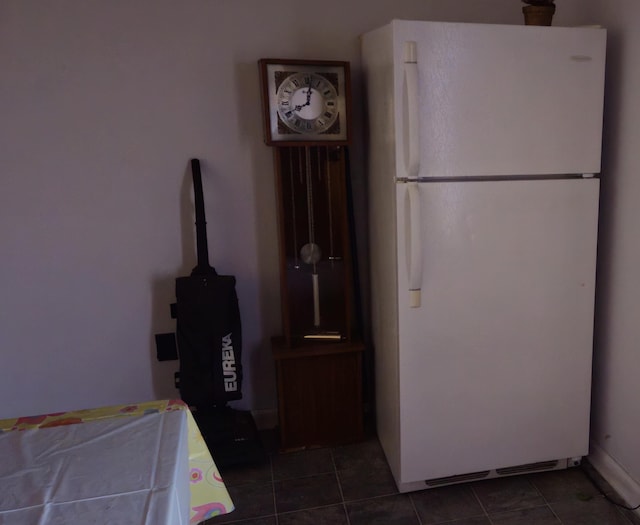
(414, 244)
(411, 127)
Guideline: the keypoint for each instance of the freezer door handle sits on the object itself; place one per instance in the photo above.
(414, 244)
(411, 127)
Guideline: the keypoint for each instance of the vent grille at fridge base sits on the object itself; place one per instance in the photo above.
(507, 471)
(460, 478)
(542, 465)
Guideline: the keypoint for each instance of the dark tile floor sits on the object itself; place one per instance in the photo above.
(352, 485)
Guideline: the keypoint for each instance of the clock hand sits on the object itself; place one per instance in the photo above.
(307, 103)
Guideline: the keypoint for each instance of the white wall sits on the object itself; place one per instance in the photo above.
(616, 394)
(101, 106)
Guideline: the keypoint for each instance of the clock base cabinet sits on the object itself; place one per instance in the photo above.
(319, 394)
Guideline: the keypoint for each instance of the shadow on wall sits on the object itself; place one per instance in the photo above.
(609, 196)
(163, 293)
(259, 366)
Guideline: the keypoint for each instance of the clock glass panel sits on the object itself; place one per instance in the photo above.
(306, 102)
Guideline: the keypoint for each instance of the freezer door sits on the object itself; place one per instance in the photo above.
(497, 99)
(495, 362)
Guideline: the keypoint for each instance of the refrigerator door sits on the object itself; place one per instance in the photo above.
(494, 366)
(494, 100)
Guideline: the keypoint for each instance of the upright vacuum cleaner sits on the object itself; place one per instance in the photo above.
(210, 349)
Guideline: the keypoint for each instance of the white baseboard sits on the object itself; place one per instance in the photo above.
(265, 419)
(626, 487)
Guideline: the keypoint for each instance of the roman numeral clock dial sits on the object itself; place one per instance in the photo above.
(305, 102)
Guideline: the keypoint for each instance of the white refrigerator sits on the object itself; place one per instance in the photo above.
(484, 147)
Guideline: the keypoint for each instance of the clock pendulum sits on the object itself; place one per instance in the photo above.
(310, 253)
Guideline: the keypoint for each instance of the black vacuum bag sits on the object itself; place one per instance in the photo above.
(208, 325)
(209, 340)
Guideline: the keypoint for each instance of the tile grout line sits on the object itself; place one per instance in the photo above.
(533, 484)
(273, 491)
(335, 470)
(313, 475)
(475, 495)
(415, 510)
(241, 521)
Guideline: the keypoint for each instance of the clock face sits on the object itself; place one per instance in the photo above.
(305, 102)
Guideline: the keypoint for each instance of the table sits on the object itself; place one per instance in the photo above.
(130, 464)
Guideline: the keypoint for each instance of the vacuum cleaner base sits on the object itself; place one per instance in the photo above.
(231, 436)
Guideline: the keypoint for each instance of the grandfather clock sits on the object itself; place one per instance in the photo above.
(318, 359)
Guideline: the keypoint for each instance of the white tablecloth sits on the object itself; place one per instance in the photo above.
(110, 470)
